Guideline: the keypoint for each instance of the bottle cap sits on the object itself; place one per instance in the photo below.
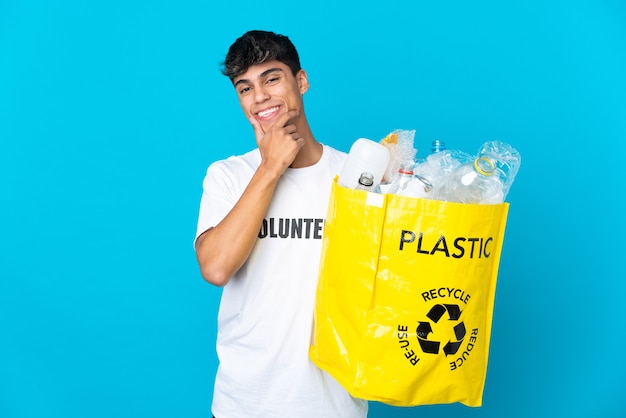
(366, 179)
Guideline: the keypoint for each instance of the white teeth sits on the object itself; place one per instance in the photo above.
(268, 112)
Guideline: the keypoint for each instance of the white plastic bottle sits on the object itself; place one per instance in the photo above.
(365, 156)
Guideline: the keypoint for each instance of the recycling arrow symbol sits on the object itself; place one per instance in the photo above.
(424, 329)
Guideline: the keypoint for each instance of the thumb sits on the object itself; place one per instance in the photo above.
(256, 127)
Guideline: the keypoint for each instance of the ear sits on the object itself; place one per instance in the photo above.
(303, 81)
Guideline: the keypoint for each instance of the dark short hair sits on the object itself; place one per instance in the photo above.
(256, 47)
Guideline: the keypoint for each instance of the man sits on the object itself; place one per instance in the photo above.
(259, 236)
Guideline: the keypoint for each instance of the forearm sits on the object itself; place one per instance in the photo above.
(222, 250)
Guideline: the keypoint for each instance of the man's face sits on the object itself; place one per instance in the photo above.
(270, 89)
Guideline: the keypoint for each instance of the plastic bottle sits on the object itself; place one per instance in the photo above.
(506, 159)
(365, 156)
(439, 164)
(407, 184)
(473, 182)
(366, 182)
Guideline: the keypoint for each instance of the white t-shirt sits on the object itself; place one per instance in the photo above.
(266, 312)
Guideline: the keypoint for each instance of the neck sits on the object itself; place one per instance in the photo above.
(311, 151)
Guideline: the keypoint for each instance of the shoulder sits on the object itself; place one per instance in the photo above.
(236, 164)
(334, 156)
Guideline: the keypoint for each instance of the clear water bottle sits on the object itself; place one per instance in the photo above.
(439, 165)
(473, 182)
(407, 184)
(366, 182)
(506, 160)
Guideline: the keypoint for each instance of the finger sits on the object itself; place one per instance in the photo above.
(291, 115)
(290, 129)
(258, 131)
(285, 119)
(281, 122)
(299, 141)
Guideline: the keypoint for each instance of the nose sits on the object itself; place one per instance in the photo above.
(260, 94)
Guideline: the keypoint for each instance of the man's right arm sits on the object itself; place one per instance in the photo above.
(223, 249)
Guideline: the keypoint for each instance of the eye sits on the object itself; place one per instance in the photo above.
(273, 80)
(244, 90)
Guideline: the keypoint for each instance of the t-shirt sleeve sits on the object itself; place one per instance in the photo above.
(218, 198)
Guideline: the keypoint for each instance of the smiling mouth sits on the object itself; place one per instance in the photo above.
(267, 113)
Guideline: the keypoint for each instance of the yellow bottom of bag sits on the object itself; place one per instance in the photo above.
(405, 297)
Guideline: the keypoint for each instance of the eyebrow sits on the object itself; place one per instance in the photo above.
(263, 74)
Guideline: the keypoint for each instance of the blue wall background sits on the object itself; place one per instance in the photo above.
(110, 112)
